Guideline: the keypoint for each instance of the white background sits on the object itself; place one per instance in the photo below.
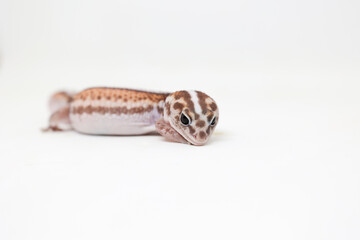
(283, 163)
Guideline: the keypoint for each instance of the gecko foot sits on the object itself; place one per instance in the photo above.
(59, 121)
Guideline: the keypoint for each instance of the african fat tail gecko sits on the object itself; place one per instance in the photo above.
(182, 116)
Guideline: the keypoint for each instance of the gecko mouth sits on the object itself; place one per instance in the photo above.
(192, 139)
(169, 131)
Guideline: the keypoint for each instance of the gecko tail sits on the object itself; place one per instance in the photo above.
(59, 105)
(60, 100)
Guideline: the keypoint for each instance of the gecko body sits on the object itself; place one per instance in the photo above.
(182, 116)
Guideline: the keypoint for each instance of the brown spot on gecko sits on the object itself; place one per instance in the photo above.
(133, 110)
(178, 106)
(167, 106)
(123, 110)
(100, 110)
(113, 110)
(200, 123)
(191, 129)
(202, 98)
(160, 109)
(202, 134)
(149, 108)
(187, 98)
(180, 94)
(88, 109)
(213, 106)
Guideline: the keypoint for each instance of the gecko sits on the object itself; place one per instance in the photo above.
(181, 116)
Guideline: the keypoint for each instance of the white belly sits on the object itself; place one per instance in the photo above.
(114, 124)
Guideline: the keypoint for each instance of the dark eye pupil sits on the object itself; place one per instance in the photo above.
(213, 121)
(184, 120)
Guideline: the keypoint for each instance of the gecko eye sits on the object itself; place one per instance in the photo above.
(184, 119)
(213, 122)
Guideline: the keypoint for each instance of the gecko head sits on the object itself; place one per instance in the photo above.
(192, 114)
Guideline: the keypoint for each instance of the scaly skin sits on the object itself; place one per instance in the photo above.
(182, 116)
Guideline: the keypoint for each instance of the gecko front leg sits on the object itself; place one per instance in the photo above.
(165, 129)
